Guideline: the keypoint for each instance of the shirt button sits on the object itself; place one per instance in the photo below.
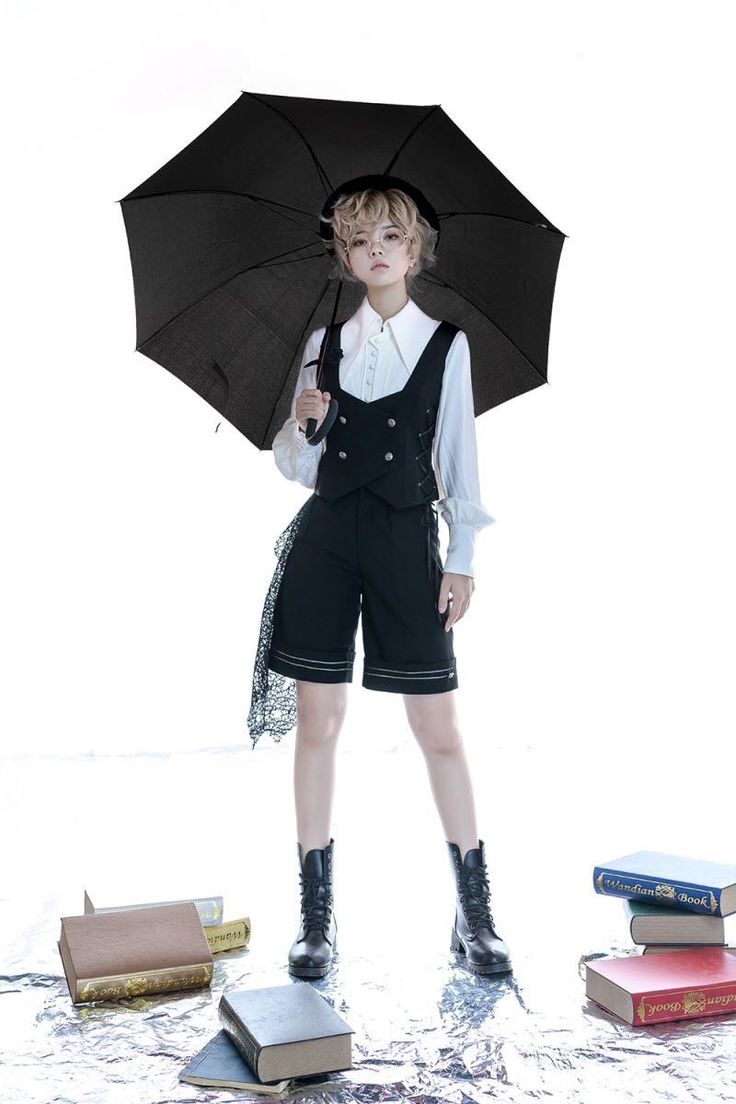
(342, 455)
(343, 419)
(388, 456)
(391, 422)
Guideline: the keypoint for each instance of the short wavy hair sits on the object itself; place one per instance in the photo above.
(373, 206)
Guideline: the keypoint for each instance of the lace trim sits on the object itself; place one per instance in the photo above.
(273, 695)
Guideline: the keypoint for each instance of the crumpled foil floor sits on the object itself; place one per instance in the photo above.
(222, 821)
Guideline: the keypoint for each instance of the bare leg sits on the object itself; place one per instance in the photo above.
(433, 720)
(321, 711)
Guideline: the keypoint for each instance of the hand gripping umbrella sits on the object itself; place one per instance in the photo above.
(232, 268)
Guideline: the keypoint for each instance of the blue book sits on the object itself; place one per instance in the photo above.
(675, 881)
(220, 1065)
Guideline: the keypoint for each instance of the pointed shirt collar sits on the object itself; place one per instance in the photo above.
(411, 329)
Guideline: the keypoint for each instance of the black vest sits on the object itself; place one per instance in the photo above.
(385, 444)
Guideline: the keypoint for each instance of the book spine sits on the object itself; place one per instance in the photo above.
(693, 898)
(685, 1004)
(241, 1039)
(117, 986)
(228, 936)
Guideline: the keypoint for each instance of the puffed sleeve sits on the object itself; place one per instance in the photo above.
(455, 460)
(295, 457)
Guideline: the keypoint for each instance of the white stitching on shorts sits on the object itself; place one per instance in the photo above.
(377, 672)
(308, 661)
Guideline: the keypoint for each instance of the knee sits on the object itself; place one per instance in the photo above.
(437, 739)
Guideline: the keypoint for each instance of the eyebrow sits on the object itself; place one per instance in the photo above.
(384, 226)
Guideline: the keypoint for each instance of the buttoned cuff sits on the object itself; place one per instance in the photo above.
(459, 558)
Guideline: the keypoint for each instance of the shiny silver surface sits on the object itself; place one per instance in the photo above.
(425, 1029)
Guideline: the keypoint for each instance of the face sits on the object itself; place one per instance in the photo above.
(372, 258)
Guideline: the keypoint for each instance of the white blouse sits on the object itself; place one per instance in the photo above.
(377, 360)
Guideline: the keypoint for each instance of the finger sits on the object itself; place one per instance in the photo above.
(455, 616)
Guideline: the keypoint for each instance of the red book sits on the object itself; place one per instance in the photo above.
(678, 985)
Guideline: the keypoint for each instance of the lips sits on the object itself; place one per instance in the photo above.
(379, 265)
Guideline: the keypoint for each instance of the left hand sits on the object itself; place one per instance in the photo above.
(460, 589)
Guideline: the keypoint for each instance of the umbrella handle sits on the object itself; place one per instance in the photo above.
(314, 436)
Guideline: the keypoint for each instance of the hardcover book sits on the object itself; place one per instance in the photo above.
(210, 909)
(286, 1031)
(228, 935)
(112, 955)
(663, 948)
(678, 985)
(220, 1064)
(696, 885)
(650, 923)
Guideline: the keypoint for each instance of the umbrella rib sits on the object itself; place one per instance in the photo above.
(441, 283)
(410, 135)
(223, 283)
(269, 203)
(506, 218)
(324, 179)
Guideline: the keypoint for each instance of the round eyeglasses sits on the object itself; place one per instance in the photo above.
(390, 239)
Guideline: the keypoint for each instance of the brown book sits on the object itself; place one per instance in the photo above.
(112, 955)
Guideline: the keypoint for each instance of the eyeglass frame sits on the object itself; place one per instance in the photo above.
(346, 245)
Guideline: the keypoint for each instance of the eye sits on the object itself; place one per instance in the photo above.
(358, 243)
(392, 235)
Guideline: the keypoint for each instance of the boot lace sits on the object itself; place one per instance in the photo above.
(475, 896)
(316, 902)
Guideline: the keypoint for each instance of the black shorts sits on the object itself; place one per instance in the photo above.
(358, 556)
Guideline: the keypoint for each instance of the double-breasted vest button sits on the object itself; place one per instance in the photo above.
(389, 456)
(342, 455)
(343, 419)
(391, 422)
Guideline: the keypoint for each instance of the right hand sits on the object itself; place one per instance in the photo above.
(312, 403)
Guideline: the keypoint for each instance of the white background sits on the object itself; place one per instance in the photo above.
(138, 536)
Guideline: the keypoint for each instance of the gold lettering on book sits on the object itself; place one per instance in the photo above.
(227, 936)
(661, 892)
(135, 985)
(693, 1002)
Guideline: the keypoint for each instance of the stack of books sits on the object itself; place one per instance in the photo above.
(675, 909)
(132, 952)
(269, 1039)
(222, 935)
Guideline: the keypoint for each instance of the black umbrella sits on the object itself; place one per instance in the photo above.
(231, 273)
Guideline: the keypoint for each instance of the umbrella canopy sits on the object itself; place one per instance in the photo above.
(231, 273)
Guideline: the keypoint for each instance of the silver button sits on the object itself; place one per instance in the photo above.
(342, 455)
(391, 422)
(388, 456)
(343, 419)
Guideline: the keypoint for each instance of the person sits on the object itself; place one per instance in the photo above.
(366, 546)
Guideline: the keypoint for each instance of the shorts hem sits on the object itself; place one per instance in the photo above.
(411, 678)
(312, 666)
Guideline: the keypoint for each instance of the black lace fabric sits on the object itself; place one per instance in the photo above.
(273, 696)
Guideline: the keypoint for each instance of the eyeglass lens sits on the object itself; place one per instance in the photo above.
(390, 239)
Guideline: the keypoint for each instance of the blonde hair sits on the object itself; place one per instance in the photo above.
(372, 206)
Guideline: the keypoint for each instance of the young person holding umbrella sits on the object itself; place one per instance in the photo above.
(366, 542)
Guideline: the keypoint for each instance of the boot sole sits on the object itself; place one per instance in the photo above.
(314, 971)
(457, 945)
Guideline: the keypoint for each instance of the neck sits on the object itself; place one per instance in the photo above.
(388, 301)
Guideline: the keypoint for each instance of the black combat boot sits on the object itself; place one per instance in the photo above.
(473, 934)
(311, 953)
